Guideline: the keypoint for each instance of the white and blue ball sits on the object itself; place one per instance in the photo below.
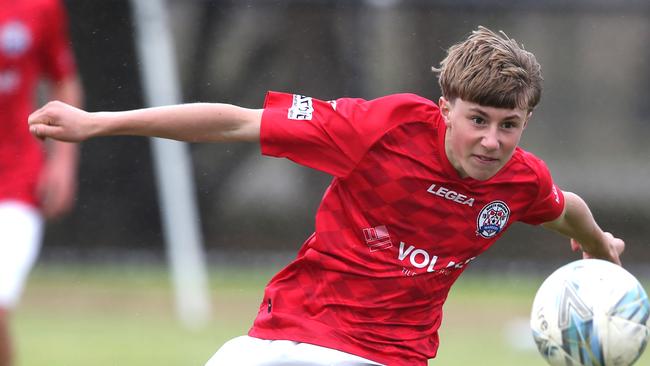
(591, 313)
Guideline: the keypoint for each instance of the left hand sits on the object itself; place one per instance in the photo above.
(615, 246)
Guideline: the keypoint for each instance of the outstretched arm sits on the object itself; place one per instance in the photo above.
(578, 223)
(199, 122)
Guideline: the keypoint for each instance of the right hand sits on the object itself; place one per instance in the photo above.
(60, 121)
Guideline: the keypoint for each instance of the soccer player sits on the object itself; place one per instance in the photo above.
(419, 191)
(34, 45)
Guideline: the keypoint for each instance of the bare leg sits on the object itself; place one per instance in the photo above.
(5, 341)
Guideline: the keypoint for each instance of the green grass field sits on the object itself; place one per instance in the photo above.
(108, 315)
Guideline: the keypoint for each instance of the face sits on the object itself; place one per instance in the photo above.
(481, 140)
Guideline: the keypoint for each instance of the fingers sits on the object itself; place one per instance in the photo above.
(42, 131)
(619, 246)
(616, 244)
(42, 115)
(575, 246)
(613, 248)
(54, 120)
(41, 121)
(36, 131)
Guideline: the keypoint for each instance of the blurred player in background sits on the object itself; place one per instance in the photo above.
(37, 181)
(419, 190)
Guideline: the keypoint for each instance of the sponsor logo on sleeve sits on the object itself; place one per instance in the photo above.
(301, 108)
(492, 219)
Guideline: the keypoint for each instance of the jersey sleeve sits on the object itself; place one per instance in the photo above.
(332, 136)
(56, 55)
(549, 203)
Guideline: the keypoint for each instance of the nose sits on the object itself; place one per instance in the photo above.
(490, 140)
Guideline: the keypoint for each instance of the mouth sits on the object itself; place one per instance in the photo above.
(483, 159)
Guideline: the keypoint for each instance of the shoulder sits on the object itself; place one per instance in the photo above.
(408, 98)
(397, 108)
(406, 102)
(528, 159)
(526, 164)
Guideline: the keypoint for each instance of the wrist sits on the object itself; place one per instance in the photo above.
(100, 123)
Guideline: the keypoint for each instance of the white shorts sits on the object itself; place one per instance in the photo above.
(21, 228)
(249, 351)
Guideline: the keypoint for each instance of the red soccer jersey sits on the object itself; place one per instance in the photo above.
(395, 228)
(33, 44)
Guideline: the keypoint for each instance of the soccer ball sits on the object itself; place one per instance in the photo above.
(591, 313)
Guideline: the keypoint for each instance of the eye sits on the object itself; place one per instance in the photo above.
(509, 124)
(478, 120)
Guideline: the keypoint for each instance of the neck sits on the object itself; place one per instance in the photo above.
(451, 156)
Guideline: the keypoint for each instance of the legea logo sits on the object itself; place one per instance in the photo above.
(451, 195)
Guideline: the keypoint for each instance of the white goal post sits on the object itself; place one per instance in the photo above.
(180, 218)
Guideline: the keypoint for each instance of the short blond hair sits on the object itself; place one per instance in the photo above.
(491, 69)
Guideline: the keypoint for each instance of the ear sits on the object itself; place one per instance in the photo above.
(445, 109)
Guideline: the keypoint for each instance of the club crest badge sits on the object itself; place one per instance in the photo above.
(492, 219)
